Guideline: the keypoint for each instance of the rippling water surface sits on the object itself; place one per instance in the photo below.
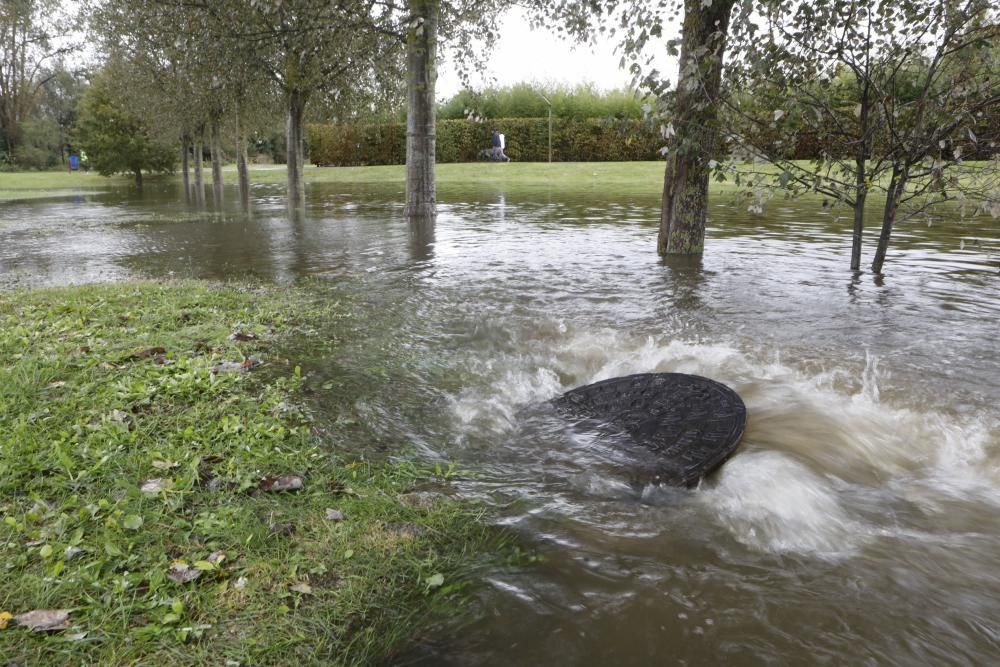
(858, 524)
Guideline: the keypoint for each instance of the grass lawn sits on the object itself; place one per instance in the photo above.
(620, 178)
(141, 469)
(44, 184)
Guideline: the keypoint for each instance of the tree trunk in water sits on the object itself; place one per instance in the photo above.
(860, 195)
(242, 172)
(199, 178)
(421, 57)
(138, 179)
(185, 167)
(216, 152)
(897, 186)
(695, 142)
(296, 111)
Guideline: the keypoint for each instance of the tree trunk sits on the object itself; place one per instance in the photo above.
(695, 123)
(242, 171)
(421, 57)
(897, 186)
(295, 162)
(185, 167)
(860, 195)
(199, 178)
(138, 179)
(216, 152)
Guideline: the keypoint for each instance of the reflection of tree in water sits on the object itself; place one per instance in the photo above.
(421, 238)
(684, 276)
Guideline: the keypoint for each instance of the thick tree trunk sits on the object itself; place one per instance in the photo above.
(199, 177)
(185, 168)
(696, 140)
(296, 101)
(215, 148)
(897, 186)
(421, 60)
(138, 179)
(242, 171)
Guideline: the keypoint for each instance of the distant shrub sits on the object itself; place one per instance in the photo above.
(592, 140)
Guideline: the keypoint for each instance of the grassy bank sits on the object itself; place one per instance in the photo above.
(143, 453)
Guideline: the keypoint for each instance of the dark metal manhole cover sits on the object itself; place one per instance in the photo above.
(689, 423)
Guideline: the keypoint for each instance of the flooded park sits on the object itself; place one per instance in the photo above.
(859, 521)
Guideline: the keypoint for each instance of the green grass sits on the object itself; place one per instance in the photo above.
(19, 185)
(87, 415)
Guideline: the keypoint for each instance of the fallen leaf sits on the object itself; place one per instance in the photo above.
(242, 337)
(5, 617)
(283, 483)
(248, 364)
(146, 354)
(182, 573)
(132, 522)
(283, 528)
(334, 515)
(155, 485)
(76, 636)
(84, 349)
(435, 580)
(301, 587)
(57, 384)
(241, 583)
(44, 620)
(165, 465)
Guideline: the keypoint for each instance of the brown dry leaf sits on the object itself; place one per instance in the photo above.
(283, 483)
(146, 354)
(301, 587)
(182, 573)
(334, 515)
(242, 337)
(44, 620)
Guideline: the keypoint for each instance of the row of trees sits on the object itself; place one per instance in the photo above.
(892, 92)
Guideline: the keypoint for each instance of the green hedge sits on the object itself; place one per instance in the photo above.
(593, 140)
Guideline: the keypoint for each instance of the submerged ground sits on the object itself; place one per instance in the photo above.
(857, 523)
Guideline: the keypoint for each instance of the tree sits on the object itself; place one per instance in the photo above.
(32, 37)
(115, 138)
(888, 93)
(690, 113)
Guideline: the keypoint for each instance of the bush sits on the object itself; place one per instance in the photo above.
(591, 140)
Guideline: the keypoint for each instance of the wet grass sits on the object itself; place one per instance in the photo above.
(21, 185)
(138, 489)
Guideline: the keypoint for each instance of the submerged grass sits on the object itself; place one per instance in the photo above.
(129, 461)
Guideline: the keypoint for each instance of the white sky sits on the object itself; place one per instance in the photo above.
(540, 56)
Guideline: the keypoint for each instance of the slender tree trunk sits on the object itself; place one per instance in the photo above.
(185, 167)
(216, 151)
(897, 186)
(138, 179)
(421, 60)
(295, 160)
(242, 170)
(199, 178)
(696, 141)
(861, 157)
(860, 195)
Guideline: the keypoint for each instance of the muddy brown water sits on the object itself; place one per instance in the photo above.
(858, 524)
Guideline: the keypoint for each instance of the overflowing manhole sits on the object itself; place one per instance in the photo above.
(688, 424)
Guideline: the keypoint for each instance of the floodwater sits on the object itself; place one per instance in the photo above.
(858, 524)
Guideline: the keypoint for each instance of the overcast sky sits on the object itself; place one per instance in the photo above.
(525, 55)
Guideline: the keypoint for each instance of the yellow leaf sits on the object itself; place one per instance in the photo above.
(5, 617)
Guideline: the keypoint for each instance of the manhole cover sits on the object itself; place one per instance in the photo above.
(689, 423)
